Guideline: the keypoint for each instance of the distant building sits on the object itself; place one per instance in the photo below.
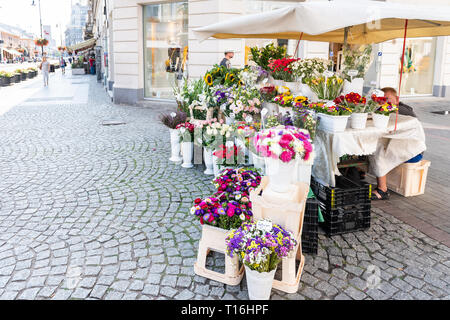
(15, 42)
(74, 31)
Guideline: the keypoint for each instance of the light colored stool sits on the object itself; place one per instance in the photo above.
(214, 239)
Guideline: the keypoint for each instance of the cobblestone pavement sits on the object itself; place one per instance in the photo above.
(98, 212)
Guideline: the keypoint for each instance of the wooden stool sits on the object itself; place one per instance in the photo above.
(214, 239)
(289, 214)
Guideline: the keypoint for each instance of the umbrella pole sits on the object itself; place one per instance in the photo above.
(298, 43)
(401, 70)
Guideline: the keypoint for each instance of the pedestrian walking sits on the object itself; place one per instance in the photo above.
(63, 65)
(45, 67)
(91, 64)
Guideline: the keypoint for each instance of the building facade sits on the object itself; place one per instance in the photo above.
(15, 42)
(78, 18)
(148, 47)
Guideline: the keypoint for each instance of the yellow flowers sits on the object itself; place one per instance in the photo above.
(208, 79)
(300, 99)
(229, 77)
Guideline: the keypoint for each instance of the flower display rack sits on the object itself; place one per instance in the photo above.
(310, 232)
(213, 239)
(289, 214)
(345, 193)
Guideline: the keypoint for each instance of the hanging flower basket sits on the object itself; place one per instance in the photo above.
(41, 42)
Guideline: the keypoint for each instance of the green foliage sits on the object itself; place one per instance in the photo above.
(356, 59)
(262, 56)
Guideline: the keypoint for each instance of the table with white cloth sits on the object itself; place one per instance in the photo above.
(386, 148)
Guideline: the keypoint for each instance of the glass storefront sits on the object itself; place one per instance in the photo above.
(418, 68)
(165, 48)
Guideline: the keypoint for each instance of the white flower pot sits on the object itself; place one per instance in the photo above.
(356, 86)
(259, 284)
(280, 175)
(332, 123)
(240, 144)
(187, 149)
(307, 92)
(271, 107)
(380, 121)
(358, 120)
(208, 158)
(175, 146)
(259, 163)
(303, 173)
(294, 87)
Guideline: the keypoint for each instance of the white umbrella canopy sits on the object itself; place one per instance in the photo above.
(369, 22)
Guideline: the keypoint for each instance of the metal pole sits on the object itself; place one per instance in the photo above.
(40, 21)
(401, 70)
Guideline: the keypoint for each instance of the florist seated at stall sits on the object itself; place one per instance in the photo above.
(381, 192)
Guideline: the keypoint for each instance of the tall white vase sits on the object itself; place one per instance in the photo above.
(259, 284)
(187, 149)
(175, 146)
(280, 175)
(208, 157)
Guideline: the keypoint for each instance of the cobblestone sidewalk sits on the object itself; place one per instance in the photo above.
(98, 212)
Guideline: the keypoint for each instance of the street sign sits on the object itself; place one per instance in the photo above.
(380, 53)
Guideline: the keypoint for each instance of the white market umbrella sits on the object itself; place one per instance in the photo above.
(369, 22)
(353, 22)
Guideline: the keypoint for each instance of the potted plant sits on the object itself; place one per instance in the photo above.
(356, 61)
(16, 77)
(7, 78)
(192, 98)
(382, 110)
(359, 108)
(326, 88)
(283, 74)
(262, 56)
(186, 134)
(268, 92)
(332, 118)
(305, 70)
(284, 148)
(171, 121)
(241, 103)
(260, 246)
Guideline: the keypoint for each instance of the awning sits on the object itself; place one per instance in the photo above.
(83, 45)
(12, 51)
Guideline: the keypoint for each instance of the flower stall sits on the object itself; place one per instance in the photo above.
(287, 120)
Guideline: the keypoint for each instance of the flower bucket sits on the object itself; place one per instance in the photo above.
(259, 284)
(280, 175)
(294, 87)
(271, 107)
(307, 92)
(332, 123)
(380, 121)
(303, 173)
(187, 149)
(175, 146)
(356, 86)
(358, 120)
(259, 163)
(208, 158)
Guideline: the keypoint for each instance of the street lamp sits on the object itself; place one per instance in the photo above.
(40, 21)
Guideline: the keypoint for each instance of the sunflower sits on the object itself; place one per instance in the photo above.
(229, 77)
(300, 99)
(241, 83)
(208, 79)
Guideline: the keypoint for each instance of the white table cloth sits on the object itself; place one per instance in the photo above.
(386, 149)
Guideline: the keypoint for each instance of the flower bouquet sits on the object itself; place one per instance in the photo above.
(263, 56)
(281, 69)
(242, 103)
(304, 116)
(382, 110)
(171, 121)
(306, 69)
(326, 88)
(222, 214)
(286, 149)
(227, 155)
(192, 98)
(284, 100)
(242, 180)
(359, 107)
(186, 133)
(260, 246)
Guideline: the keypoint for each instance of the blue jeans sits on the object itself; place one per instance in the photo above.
(415, 159)
(92, 70)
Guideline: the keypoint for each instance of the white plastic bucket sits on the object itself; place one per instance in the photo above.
(380, 121)
(259, 284)
(175, 146)
(332, 123)
(358, 120)
(187, 149)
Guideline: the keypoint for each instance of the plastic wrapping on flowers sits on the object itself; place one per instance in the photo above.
(186, 131)
(261, 249)
(286, 143)
(214, 133)
(229, 155)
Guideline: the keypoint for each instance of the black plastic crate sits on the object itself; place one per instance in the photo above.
(310, 230)
(346, 219)
(345, 193)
